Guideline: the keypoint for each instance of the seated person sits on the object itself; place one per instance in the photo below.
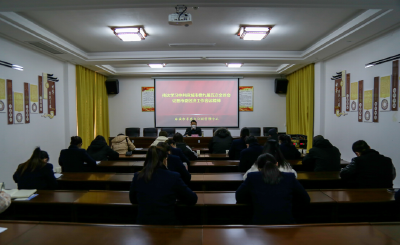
(5, 201)
(249, 156)
(162, 137)
(239, 144)
(75, 159)
(396, 196)
(100, 151)
(193, 129)
(175, 164)
(155, 189)
(220, 142)
(323, 156)
(272, 148)
(177, 152)
(180, 144)
(287, 148)
(272, 193)
(369, 169)
(273, 134)
(36, 173)
(122, 144)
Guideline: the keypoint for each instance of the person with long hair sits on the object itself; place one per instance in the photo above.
(100, 151)
(36, 173)
(175, 164)
(239, 144)
(155, 189)
(287, 148)
(271, 147)
(272, 193)
(76, 159)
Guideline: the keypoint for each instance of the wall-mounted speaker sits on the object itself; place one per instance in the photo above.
(281, 85)
(112, 86)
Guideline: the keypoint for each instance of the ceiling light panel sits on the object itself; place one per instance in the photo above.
(129, 34)
(254, 33)
(156, 65)
(234, 65)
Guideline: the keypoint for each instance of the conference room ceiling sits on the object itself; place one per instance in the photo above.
(303, 33)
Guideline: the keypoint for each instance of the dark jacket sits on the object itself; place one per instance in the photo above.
(221, 141)
(249, 156)
(370, 170)
(75, 159)
(397, 196)
(189, 153)
(178, 152)
(290, 152)
(40, 179)
(175, 164)
(100, 151)
(190, 131)
(272, 203)
(237, 146)
(323, 156)
(156, 199)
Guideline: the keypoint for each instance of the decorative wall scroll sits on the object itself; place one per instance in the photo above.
(246, 98)
(26, 103)
(3, 101)
(34, 98)
(338, 97)
(51, 102)
(19, 108)
(360, 100)
(376, 100)
(395, 86)
(343, 83)
(45, 85)
(10, 104)
(40, 94)
(368, 105)
(347, 92)
(384, 93)
(354, 96)
(147, 99)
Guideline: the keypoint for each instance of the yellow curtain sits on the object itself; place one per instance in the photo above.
(92, 105)
(300, 103)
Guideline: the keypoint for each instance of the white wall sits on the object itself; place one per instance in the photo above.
(18, 141)
(344, 131)
(125, 107)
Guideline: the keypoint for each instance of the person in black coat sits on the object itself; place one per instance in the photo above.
(273, 134)
(75, 159)
(272, 193)
(100, 151)
(249, 156)
(239, 144)
(36, 173)
(287, 148)
(175, 164)
(155, 189)
(193, 129)
(220, 142)
(323, 156)
(397, 196)
(369, 169)
(177, 152)
(189, 153)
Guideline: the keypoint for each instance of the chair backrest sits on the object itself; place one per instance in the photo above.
(255, 131)
(266, 129)
(170, 131)
(132, 132)
(150, 132)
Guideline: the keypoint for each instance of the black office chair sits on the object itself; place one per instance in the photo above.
(150, 132)
(266, 129)
(255, 131)
(132, 132)
(170, 131)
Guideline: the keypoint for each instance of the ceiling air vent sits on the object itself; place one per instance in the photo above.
(45, 47)
(191, 45)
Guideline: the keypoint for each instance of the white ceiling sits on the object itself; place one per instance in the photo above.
(303, 32)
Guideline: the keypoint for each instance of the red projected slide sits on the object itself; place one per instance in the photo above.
(211, 102)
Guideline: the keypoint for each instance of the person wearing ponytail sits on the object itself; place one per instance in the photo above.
(272, 193)
(155, 189)
(75, 159)
(36, 173)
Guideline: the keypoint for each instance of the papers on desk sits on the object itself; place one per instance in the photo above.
(138, 149)
(97, 162)
(26, 199)
(57, 175)
(15, 193)
(2, 229)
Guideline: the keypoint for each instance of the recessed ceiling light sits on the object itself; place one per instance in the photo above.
(254, 33)
(234, 65)
(129, 34)
(156, 65)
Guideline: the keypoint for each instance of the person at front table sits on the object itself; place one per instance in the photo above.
(193, 129)
(177, 152)
(189, 153)
(155, 189)
(75, 159)
(272, 193)
(36, 173)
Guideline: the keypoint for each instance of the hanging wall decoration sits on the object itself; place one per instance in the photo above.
(26, 103)
(3, 101)
(45, 85)
(51, 102)
(347, 92)
(40, 94)
(10, 104)
(338, 97)
(354, 96)
(376, 100)
(360, 100)
(368, 105)
(19, 108)
(384, 93)
(34, 98)
(395, 85)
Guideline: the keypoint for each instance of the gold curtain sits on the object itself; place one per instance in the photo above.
(300, 103)
(92, 105)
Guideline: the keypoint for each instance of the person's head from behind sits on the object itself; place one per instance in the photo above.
(360, 147)
(285, 139)
(44, 156)
(100, 138)
(156, 157)
(38, 159)
(272, 147)
(163, 133)
(178, 138)
(317, 138)
(245, 132)
(193, 124)
(171, 142)
(272, 132)
(165, 146)
(251, 140)
(120, 134)
(268, 166)
(77, 141)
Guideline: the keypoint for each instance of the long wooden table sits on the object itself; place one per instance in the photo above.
(50, 233)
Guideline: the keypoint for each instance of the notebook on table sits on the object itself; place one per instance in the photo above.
(15, 193)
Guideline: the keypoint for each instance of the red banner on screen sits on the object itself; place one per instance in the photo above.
(211, 102)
